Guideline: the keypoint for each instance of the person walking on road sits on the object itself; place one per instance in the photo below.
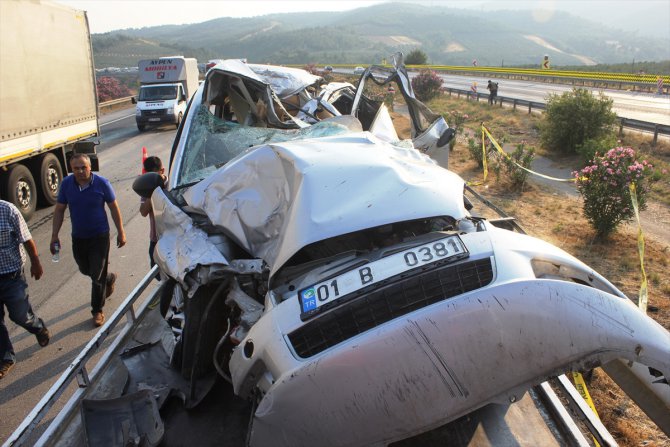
(15, 242)
(492, 87)
(86, 194)
(151, 164)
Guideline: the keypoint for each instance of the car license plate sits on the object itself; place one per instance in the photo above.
(313, 297)
(154, 119)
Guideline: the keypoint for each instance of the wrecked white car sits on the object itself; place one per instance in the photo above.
(335, 276)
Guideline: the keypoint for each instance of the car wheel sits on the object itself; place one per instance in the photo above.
(19, 188)
(51, 175)
(141, 127)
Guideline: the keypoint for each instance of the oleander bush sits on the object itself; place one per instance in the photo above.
(426, 85)
(604, 185)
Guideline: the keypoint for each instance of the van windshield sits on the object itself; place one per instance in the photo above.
(161, 93)
(213, 142)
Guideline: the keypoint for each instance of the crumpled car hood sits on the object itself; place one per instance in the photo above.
(281, 197)
(287, 81)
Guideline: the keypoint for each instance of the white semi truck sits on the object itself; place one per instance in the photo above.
(166, 84)
(48, 101)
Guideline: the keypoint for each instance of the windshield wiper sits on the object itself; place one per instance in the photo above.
(186, 185)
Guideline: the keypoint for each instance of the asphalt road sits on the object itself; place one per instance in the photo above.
(62, 296)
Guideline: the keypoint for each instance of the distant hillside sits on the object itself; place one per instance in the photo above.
(367, 35)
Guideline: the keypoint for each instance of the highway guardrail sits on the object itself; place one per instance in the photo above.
(652, 83)
(114, 102)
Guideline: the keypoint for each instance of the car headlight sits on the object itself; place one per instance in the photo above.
(170, 110)
(138, 112)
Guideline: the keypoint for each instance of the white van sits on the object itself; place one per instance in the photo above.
(166, 85)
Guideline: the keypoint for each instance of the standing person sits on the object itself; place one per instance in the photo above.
(86, 194)
(151, 164)
(492, 87)
(15, 241)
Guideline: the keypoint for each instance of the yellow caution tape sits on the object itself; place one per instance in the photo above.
(500, 149)
(486, 169)
(584, 392)
(644, 297)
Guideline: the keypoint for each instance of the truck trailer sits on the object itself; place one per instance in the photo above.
(48, 101)
(166, 84)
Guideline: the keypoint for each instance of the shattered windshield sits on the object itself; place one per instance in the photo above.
(162, 93)
(213, 142)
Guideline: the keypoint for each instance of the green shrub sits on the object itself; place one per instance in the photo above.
(426, 85)
(475, 150)
(511, 165)
(455, 119)
(604, 186)
(575, 117)
(593, 146)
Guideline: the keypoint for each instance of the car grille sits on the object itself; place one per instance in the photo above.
(389, 302)
(154, 112)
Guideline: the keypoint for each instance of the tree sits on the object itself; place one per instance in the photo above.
(416, 57)
(574, 118)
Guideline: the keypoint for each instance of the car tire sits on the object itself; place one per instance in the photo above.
(141, 127)
(19, 189)
(51, 176)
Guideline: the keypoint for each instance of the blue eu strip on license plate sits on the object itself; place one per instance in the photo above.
(313, 297)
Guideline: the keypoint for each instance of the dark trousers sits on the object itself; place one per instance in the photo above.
(14, 296)
(92, 255)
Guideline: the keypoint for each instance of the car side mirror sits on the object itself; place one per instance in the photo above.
(446, 137)
(183, 96)
(133, 100)
(145, 184)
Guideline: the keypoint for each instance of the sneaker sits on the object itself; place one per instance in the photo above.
(43, 337)
(5, 366)
(109, 287)
(98, 319)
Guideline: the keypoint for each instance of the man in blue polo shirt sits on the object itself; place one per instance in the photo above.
(86, 194)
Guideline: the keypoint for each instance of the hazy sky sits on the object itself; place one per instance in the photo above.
(109, 15)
